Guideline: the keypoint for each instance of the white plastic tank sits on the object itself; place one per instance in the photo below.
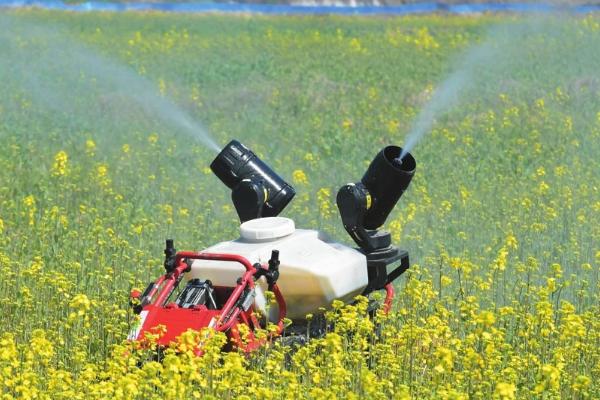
(314, 270)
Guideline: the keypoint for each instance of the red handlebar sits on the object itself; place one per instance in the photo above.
(231, 309)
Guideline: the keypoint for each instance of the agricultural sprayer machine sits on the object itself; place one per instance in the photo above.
(224, 286)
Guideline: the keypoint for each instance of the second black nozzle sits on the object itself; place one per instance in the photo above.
(386, 179)
(364, 206)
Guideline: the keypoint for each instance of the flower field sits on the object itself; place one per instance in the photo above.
(502, 219)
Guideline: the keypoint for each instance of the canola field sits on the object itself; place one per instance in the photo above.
(502, 219)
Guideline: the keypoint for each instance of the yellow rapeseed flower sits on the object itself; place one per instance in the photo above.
(486, 318)
(90, 147)
(548, 378)
(323, 200)
(59, 167)
(299, 177)
(80, 304)
(505, 391)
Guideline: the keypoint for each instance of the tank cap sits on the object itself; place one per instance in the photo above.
(267, 228)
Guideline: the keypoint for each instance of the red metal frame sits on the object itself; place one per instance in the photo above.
(389, 297)
(226, 319)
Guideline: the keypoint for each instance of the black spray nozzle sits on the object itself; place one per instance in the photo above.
(272, 273)
(170, 253)
(257, 191)
(365, 205)
(386, 179)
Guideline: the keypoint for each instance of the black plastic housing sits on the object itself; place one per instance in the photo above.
(381, 270)
(386, 179)
(257, 191)
(364, 206)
